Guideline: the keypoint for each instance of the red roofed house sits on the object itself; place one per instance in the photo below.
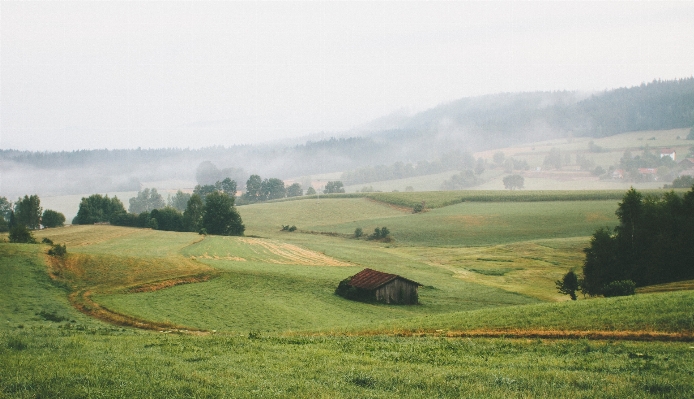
(372, 285)
(668, 152)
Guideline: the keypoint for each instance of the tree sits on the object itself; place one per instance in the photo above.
(272, 189)
(600, 261)
(5, 209)
(227, 186)
(179, 201)
(310, 191)
(513, 182)
(6, 214)
(568, 285)
(334, 187)
(683, 182)
(479, 166)
(168, 219)
(253, 189)
(553, 159)
(52, 218)
(295, 190)
(358, 232)
(98, 209)
(499, 158)
(21, 235)
(192, 216)
(463, 179)
(27, 211)
(146, 201)
(220, 217)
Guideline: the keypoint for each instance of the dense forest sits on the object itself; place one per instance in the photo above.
(466, 125)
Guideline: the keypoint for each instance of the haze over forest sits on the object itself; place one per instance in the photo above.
(114, 96)
(449, 132)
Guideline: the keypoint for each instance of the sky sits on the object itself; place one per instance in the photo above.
(191, 74)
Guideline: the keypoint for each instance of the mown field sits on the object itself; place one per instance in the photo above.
(263, 321)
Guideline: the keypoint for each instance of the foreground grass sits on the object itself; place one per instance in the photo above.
(62, 363)
(60, 353)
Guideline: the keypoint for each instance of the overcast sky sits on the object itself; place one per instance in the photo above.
(79, 75)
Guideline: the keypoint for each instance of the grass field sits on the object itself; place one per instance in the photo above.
(266, 323)
(72, 356)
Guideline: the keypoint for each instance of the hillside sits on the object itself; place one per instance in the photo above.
(467, 125)
(238, 316)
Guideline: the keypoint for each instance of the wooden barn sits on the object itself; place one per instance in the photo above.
(372, 285)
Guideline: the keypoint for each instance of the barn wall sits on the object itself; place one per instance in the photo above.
(398, 291)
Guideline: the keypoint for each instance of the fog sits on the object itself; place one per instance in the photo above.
(94, 75)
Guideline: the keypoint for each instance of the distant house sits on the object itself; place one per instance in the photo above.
(668, 152)
(371, 285)
(618, 174)
(650, 173)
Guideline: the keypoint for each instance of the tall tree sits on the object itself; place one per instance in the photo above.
(220, 216)
(27, 211)
(192, 216)
(5, 208)
(334, 187)
(254, 189)
(295, 190)
(147, 200)
(179, 201)
(97, 209)
(273, 189)
(227, 186)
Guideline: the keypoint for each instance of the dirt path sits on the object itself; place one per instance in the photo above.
(530, 333)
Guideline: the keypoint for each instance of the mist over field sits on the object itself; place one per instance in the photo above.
(441, 139)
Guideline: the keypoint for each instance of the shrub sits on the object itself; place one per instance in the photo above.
(619, 288)
(58, 250)
(358, 232)
(20, 234)
(418, 208)
(47, 240)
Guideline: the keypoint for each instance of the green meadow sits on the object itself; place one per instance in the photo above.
(256, 316)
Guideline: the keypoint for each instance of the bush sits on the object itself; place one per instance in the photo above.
(358, 232)
(293, 228)
(47, 240)
(418, 208)
(619, 288)
(21, 235)
(58, 250)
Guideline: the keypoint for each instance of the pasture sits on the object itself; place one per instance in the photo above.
(262, 319)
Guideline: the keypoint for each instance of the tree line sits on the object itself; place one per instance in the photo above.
(24, 215)
(653, 244)
(209, 210)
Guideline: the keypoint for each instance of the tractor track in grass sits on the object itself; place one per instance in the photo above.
(600, 335)
(81, 299)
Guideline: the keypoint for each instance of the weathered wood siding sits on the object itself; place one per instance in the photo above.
(398, 291)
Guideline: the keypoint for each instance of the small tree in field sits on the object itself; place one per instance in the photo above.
(513, 182)
(568, 285)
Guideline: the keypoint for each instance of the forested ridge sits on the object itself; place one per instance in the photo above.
(465, 125)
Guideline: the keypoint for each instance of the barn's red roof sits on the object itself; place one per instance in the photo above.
(370, 279)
